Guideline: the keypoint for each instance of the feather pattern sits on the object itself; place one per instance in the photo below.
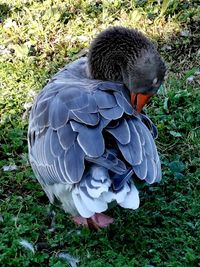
(132, 151)
(87, 145)
(121, 132)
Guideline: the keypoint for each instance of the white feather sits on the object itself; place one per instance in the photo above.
(96, 192)
(99, 173)
(80, 205)
(102, 181)
(96, 183)
(76, 202)
(118, 196)
(93, 204)
(63, 192)
(72, 261)
(131, 200)
(27, 245)
(108, 196)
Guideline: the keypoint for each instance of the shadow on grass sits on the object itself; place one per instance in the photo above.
(4, 12)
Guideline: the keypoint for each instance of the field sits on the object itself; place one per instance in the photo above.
(37, 37)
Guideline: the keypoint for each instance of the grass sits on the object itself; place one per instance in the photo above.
(36, 39)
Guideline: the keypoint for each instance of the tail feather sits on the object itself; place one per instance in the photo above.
(96, 190)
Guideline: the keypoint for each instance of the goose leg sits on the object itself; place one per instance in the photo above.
(97, 221)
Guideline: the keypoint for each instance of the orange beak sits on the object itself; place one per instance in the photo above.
(139, 100)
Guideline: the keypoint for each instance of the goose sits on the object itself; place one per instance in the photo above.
(88, 138)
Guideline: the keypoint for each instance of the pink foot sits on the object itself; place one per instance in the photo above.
(97, 221)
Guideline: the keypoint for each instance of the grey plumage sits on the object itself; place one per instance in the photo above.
(110, 161)
(69, 133)
(121, 132)
(89, 139)
(87, 144)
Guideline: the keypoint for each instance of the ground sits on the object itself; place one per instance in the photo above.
(36, 39)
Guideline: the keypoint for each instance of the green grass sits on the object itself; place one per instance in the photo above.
(37, 38)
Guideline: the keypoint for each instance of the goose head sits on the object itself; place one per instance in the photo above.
(126, 55)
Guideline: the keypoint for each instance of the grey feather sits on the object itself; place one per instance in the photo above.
(58, 113)
(55, 146)
(74, 163)
(123, 103)
(121, 132)
(48, 94)
(112, 113)
(159, 172)
(87, 118)
(149, 125)
(42, 106)
(151, 171)
(119, 181)
(73, 98)
(91, 106)
(66, 136)
(42, 120)
(90, 139)
(111, 86)
(148, 169)
(49, 154)
(105, 100)
(140, 130)
(146, 138)
(103, 123)
(132, 151)
(141, 169)
(61, 174)
(61, 166)
(110, 161)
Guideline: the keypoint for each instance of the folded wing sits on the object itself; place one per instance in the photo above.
(75, 123)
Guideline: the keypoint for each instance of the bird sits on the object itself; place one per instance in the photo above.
(89, 139)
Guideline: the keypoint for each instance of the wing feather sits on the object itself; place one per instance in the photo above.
(109, 161)
(55, 146)
(58, 113)
(86, 118)
(66, 136)
(73, 97)
(123, 103)
(42, 120)
(112, 113)
(132, 151)
(104, 99)
(49, 155)
(141, 169)
(149, 169)
(74, 163)
(121, 132)
(152, 128)
(91, 106)
(90, 139)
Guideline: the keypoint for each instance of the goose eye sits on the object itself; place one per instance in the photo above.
(155, 81)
